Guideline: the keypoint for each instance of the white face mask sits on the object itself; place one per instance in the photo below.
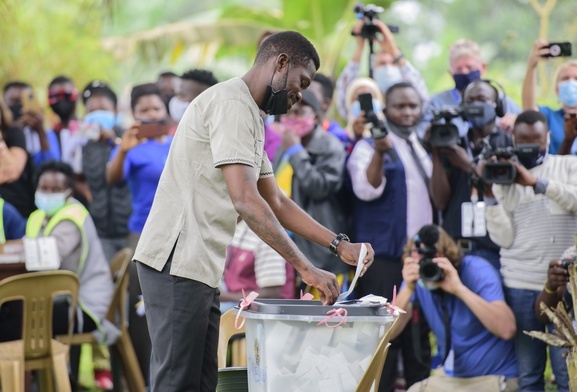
(50, 202)
(386, 76)
(177, 107)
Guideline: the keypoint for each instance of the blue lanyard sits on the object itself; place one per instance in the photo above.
(456, 96)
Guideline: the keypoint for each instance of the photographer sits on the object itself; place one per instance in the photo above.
(389, 178)
(554, 289)
(390, 66)
(466, 310)
(454, 180)
(562, 121)
(533, 220)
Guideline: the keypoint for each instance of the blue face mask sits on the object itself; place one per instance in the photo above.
(104, 118)
(356, 108)
(568, 93)
(463, 80)
(50, 202)
(426, 286)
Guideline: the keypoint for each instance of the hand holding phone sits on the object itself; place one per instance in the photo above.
(557, 49)
(378, 129)
(152, 129)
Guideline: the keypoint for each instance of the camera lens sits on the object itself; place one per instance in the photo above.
(430, 271)
(555, 50)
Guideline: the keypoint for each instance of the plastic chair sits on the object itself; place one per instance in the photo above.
(238, 347)
(37, 350)
(375, 370)
(116, 314)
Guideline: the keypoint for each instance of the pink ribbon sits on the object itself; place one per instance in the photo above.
(340, 312)
(391, 306)
(245, 303)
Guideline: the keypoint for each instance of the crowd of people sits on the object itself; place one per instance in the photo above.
(453, 163)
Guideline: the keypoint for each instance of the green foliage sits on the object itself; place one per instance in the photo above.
(44, 38)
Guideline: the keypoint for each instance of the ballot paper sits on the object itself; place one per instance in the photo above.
(360, 265)
(41, 254)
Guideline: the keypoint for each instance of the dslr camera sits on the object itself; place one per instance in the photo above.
(369, 13)
(425, 243)
(504, 173)
(443, 132)
(566, 263)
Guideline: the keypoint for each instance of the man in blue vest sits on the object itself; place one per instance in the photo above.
(390, 177)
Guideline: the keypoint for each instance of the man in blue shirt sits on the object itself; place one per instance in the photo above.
(466, 310)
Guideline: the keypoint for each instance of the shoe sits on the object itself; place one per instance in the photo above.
(103, 379)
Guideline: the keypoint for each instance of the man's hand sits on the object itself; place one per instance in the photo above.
(387, 41)
(451, 283)
(358, 38)
(507, 122)
(556, 276)
(524, 176)
(325, 282)
(457, 156)
(349, 253)
(359, 125)
(411, 272)
(289, 139)
(570, 128)
(537, 52)
(383, 145)
(33, 119)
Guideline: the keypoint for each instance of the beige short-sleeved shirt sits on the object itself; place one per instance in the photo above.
(192, 207)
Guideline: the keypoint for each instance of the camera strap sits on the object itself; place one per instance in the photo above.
(447, 323)
(419, 164)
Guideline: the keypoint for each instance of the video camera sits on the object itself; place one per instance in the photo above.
(378, 127)
(369, 13)
(443, 132)
(504, 172)
(425, 242)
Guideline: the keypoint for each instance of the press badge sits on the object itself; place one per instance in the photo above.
(473, 223)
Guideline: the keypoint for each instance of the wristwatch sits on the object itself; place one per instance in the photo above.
(340, 237)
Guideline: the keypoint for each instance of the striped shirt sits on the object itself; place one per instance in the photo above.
(533, 229)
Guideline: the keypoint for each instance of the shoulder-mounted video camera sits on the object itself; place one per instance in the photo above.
(369, 13)
(504, 172)
(443, 132)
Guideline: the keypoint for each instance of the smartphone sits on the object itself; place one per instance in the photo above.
(29, 101)
(366, 101)
(152, 129)
(558, 49)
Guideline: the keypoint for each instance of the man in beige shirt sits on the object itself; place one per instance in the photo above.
(217, 171)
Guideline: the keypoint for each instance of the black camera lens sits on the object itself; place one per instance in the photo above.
(430, 271)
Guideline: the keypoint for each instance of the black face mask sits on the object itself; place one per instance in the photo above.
(16, 111)
(64, 108)
(276, 102)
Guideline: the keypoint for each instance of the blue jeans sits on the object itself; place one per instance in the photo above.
(532, 353)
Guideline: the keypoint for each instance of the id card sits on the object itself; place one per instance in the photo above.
(41, 254)
(473, 223)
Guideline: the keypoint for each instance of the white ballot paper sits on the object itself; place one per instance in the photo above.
(41, 254)
(360, 265)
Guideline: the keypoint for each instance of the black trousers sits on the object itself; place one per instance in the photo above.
(383, 276)
(183, 318)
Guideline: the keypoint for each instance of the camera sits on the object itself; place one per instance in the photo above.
(443, 132)
(425, 243)
(378, 128)
(504, 173)
(369, 13)
(558, 49)
(566, 263)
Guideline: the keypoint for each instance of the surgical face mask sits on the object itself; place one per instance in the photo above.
(356, 107)
(487, 117)
(463, 80)
(386, 76)
(568, 92)
(426, 286)
(106, 119)
(276, 102)
(302, 126)
(50, 202)
(177, 107)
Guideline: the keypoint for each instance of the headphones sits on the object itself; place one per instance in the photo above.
(500, 101)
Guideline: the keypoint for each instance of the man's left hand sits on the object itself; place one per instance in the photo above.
(289, 139)
(507, 122)
(349, 253)
(451, 283)
(524, 176)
